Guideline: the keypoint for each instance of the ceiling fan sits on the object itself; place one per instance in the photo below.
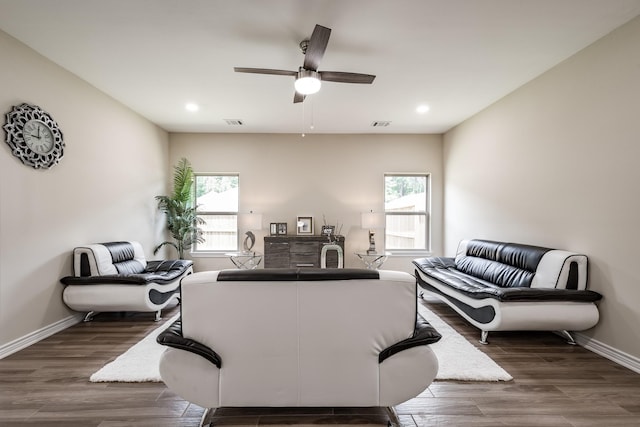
(308, 77)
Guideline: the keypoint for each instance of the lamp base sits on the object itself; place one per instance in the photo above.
(249, 241)
(372, 244)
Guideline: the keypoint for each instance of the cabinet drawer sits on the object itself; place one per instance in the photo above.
(304, 247)
(305, 260)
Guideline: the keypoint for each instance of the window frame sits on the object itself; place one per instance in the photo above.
(195, 251)
(426, 214)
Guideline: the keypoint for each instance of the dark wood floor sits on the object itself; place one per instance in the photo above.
(554, 384)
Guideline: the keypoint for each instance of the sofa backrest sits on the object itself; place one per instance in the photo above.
(519, 265)
(101, 259)
(303, 342)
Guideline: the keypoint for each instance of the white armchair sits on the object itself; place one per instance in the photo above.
(116, 276)
(307, 337)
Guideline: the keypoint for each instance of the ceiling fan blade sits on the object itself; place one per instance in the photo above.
(265, 71)
(316, 47)
(298, 97)
(342, 77)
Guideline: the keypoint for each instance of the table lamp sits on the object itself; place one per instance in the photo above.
(250, 221)
(372, 220)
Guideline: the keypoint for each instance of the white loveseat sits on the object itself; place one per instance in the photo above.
(298, 338)
(116, 276)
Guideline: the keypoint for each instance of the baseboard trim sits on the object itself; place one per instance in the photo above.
(608, 352)
(32, 338)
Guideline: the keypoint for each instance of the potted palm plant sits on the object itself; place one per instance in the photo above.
(180, 210)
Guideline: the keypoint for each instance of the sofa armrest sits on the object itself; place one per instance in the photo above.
(164, 266)
(434, 262)
(172, 337)
(109, 279)
(537, 294)
(159, 272)
(423, 334)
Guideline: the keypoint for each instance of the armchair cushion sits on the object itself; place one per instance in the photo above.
(160, 272)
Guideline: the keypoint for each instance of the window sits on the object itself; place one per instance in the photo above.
(217, 205)
(406, 215)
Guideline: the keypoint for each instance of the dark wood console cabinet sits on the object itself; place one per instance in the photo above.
(298, 251)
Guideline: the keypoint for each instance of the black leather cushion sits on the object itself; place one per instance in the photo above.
(160, 272)
(486, 249)
(122, 254)
(494, 272)
(120, 251)
(443, 271)
(173, 267)
(291, 274)
(502, 264)
(526, 257)
(129, 267)
(435, 262)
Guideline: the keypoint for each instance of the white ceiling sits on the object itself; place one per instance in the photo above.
(458, 56)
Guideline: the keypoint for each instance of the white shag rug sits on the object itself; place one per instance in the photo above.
(458, 359)
(139, 364)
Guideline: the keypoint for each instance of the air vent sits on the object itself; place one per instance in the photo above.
(234, 122)
(380, 123)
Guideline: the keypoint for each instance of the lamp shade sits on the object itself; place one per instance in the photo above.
(251, 221)
(308, 82)
(371, 220)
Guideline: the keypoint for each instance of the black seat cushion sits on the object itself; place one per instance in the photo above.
(444, 271)
(160, 272)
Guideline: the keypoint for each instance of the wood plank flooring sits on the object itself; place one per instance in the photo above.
(554, 384)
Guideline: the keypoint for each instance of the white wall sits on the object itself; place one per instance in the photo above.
(115, 162)
(555, 164)
(284, 175)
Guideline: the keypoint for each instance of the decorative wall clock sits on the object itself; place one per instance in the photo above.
(34, 137)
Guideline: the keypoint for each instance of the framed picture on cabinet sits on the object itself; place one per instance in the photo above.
(282, 229)
(304, 225)
(273, 229)
(328, 230)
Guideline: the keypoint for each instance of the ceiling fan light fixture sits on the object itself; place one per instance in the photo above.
(307, 82)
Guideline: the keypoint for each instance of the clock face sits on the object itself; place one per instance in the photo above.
(38, 136)
(34, 137)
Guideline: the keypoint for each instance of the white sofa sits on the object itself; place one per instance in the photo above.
(499, 286)
(116, 276)
(298, 338)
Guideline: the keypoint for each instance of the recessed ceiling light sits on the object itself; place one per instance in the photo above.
(421, 109)
(192, 107)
